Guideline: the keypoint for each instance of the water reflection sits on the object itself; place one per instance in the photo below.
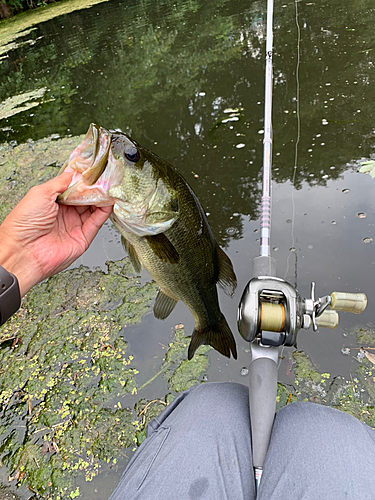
(186, 80)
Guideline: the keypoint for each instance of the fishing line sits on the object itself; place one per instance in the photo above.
(297, 140)
(295, 160)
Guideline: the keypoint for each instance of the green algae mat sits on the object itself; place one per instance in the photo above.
(67, 378)
(21, 24)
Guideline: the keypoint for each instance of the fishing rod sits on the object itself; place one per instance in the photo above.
(271, 311)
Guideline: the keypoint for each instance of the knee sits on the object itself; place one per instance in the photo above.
(220, 401)
(312, 419)
(221, 397)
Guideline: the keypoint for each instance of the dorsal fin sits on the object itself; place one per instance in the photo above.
(226, 278)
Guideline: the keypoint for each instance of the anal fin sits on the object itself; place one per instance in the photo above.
(164, 305)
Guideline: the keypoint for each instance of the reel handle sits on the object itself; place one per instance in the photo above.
(328, 319)
(350, 302)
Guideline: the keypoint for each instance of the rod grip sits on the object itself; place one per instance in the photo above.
(350, 302)
(263, 391)
(328, 319)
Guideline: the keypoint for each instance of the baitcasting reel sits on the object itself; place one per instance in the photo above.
(272, 312)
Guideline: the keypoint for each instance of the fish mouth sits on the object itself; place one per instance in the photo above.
(91, 179)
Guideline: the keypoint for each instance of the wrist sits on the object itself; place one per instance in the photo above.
(15, 261)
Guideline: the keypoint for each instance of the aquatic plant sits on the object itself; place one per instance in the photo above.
(8, 8)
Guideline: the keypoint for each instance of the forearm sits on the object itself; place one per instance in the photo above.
(11, 269)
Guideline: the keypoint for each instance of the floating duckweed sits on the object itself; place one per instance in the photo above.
(356, 396)
(67, 385)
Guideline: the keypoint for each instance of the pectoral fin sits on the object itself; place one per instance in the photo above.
(164, 305)
(226, 277)
(163, 248)
(132, 255)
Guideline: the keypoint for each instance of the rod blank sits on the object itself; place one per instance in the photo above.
(265, 218)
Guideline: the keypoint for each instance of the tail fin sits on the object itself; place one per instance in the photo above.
(218, 336)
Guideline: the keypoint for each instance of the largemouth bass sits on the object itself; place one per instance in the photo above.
(163, 226)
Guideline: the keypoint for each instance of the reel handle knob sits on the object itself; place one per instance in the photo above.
(350, 302)
(328, 319)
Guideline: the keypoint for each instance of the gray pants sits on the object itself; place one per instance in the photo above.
(199, 448)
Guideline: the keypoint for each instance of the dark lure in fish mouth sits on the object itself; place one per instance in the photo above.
(163, 226)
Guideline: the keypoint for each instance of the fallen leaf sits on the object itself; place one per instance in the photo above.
(370, 357)
(368, 167)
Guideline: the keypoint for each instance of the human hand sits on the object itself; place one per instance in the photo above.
(40, 238)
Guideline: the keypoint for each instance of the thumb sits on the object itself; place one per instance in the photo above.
(57, 185)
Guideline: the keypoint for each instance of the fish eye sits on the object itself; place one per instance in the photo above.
(132, 154)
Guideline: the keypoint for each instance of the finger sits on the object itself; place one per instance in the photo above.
(82, 209)
(57, 185)
(94, 222)
(85, 211)
(42, 199)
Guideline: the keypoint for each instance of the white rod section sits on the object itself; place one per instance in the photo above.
(265, 218)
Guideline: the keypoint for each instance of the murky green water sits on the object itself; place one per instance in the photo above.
(186, 80)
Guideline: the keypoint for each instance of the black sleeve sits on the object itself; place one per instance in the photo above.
(10, 297)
